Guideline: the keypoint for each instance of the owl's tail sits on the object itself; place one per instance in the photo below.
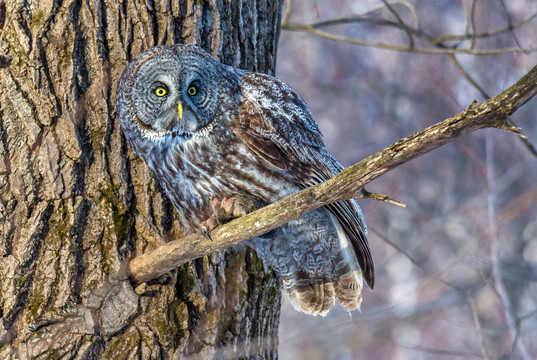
(314, 293)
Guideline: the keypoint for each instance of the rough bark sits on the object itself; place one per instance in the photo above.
(75, 203)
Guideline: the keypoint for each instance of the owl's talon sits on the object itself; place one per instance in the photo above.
(207, 226)
(228, 209)
(206, 233)
(235, 206)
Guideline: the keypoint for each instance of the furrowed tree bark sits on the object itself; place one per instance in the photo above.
(346, 185)
(75, 203)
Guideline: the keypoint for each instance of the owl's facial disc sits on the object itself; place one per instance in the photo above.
(179, 94)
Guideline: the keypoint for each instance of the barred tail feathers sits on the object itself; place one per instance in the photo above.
(315, 293)
(347, 272)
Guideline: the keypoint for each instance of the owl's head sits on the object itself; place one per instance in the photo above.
(173, 91)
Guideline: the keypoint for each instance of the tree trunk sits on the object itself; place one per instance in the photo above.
(76, 204)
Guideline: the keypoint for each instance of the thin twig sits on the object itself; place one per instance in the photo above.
(486, 34)
(512, 127)
(287, 13)
(509, 125)
(417, 31)
(437, 352)
(472, 24)
(432, 51)
(509, 24)
(495, 253)
(417, 263)
(437, 42)
(473, 307)
(468, 77)
(401, 23)
(380, 197)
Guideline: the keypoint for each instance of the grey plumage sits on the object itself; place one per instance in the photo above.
(243, 132)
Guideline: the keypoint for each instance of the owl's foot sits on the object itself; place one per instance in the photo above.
(228, 209)
(207, 226)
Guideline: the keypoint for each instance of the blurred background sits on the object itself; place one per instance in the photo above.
(456, 269)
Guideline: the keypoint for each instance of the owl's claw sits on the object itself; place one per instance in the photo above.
(235, 206)
(207, 226)
(204, 230)
(228, 209)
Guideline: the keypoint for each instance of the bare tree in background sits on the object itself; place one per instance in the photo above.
(457, 267)
(75, 203)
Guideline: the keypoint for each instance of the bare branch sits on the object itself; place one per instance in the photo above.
(379, 197)
(438, 43)
(473, 307)
(401, 23)
(434, 51)
(472, 24)
(288, 11)
(346, 185)
(509, 23)
(419, 32)
(511, 126)
(468, 77)
(497, 271)
(486, 34)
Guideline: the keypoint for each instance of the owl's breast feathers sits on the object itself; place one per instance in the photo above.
(268, 146)
(215, 165)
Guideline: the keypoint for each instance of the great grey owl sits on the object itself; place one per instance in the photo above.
(211, 133)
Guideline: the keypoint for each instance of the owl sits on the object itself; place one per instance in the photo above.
(214, 135)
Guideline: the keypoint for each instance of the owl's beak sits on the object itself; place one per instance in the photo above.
(180, 110)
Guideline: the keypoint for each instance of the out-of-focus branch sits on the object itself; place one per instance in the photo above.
(401, 23)
(467, 76)
(509, 22)
(486, 34)
(438, 46)
(471, 23)
(437, 41)
(346, 185)
(497, 271)
(433, 51)
(475, 315)
(287, 12)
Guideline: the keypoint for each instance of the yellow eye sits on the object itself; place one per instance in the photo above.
(192, 91)
(160, 91)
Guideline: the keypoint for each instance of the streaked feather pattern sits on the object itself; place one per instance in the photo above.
(292, 141)
(246, 133)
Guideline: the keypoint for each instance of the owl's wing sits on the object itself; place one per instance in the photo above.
(276, 124)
